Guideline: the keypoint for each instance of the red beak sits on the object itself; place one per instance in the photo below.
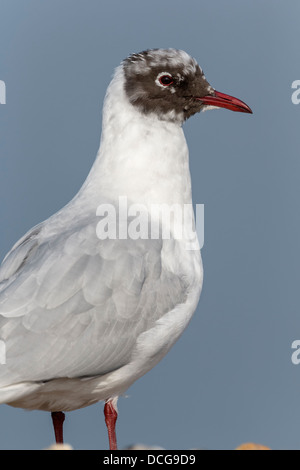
(220, 100)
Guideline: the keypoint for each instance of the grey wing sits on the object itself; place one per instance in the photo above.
(73, 305)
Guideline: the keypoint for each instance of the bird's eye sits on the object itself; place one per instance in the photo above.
(166, 80)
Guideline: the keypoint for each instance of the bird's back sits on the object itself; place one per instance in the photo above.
(72, 305)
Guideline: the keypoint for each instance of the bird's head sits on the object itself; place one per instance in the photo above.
(170, 83)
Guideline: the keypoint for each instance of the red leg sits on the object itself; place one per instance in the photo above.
(58, 418)
(111, 414)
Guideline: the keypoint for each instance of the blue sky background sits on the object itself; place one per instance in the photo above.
(230, 378)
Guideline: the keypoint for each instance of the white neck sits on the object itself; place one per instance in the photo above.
(140, 156)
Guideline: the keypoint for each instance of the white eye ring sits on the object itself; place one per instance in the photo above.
(159, 78)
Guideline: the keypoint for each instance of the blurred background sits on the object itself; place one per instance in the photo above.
(230, 377)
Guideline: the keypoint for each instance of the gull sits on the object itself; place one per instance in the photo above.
(83, 315)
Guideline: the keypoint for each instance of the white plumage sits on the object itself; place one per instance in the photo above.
(82, 318)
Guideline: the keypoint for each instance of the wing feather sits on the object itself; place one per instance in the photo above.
(72, 305)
